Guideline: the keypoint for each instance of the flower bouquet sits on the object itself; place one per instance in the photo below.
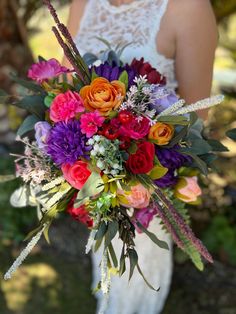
(114, 148)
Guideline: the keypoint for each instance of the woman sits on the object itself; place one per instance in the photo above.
(178, 37)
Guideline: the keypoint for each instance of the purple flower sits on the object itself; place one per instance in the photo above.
(112, 73)
(162, 98)
(45, 70)
(144, 216)
(66, 143)
(42, 130)
(173, 160)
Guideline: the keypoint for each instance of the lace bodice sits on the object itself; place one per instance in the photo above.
(136, 24)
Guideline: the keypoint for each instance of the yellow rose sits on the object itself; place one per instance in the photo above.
(103, 95)
(162, 133)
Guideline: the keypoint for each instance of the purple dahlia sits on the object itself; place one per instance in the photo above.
(172, 159)
(66, 143)
(112, 73)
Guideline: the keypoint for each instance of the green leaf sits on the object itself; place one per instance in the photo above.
(27, 125)
(147, 283)
(158, 172)
(30, 85)
(94, 75)
(122, 262)
(113, 255)
(33, 104)
(124, 78)
(202, 166)
(112, 230)
(217, 146)
(232, 134)
(104, 41)
(133, 148)
(48, 100)
(179, 120)
(97, 245)
(153, 237)
(179, 136)
(133, 258)
(93, 186)
(198, 147)
(101, 231)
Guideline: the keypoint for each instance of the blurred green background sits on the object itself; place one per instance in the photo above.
(58, 277)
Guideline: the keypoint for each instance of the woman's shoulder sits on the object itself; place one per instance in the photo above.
(194, 16)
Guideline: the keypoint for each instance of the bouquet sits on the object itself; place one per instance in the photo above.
(114, 148)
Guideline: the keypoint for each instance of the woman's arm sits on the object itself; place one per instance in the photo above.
(196, 41)
(76, 12)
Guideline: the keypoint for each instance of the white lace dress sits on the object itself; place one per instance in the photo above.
(137, 23)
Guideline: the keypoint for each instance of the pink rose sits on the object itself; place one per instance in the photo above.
(138, 197)
(137, 128)
(144, 216)
(66, 106)
(90, 122)
(187, 189)
(77, 174)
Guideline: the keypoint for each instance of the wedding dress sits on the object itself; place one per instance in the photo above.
(138, 24)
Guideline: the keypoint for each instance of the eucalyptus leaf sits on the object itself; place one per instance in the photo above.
(122, 262)
(133, 257)
(113, 255)
(34, 104)
(201, 165)
(101, 231)
(30, 85)
(147, 283)
(27, 125)
(112, 230)
(90, 58)
(217, 146)
(153, 237)
(198, 147)
(232, 134)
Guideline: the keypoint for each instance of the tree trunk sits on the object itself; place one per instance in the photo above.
(15, 57)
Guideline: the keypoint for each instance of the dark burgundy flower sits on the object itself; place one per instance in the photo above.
(145, 68)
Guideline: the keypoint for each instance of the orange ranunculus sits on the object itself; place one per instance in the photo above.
(103, 95)
(161, 132)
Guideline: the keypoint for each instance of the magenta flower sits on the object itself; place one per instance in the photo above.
(144, 216)
(45, 70)
(90, 122)
(136, 129)
(66, 106)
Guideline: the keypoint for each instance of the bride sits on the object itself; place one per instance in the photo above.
(178, 37)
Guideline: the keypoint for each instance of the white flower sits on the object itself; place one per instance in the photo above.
(116, 166)
(101, 150)
(93, 153)
(100, 164)
(97, 138)
(90, 141)
(96, 148)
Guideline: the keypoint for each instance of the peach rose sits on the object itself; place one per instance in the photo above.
(188, 190)
(103, 95)
(138, 197)
(77, 174)
(161, 132)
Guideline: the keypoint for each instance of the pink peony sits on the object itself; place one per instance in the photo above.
(77, 174)
(90, 122)
(66, 106)
(144, 216)
(136, 129)
(44, 70)
(187, 189)
(138, 197)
